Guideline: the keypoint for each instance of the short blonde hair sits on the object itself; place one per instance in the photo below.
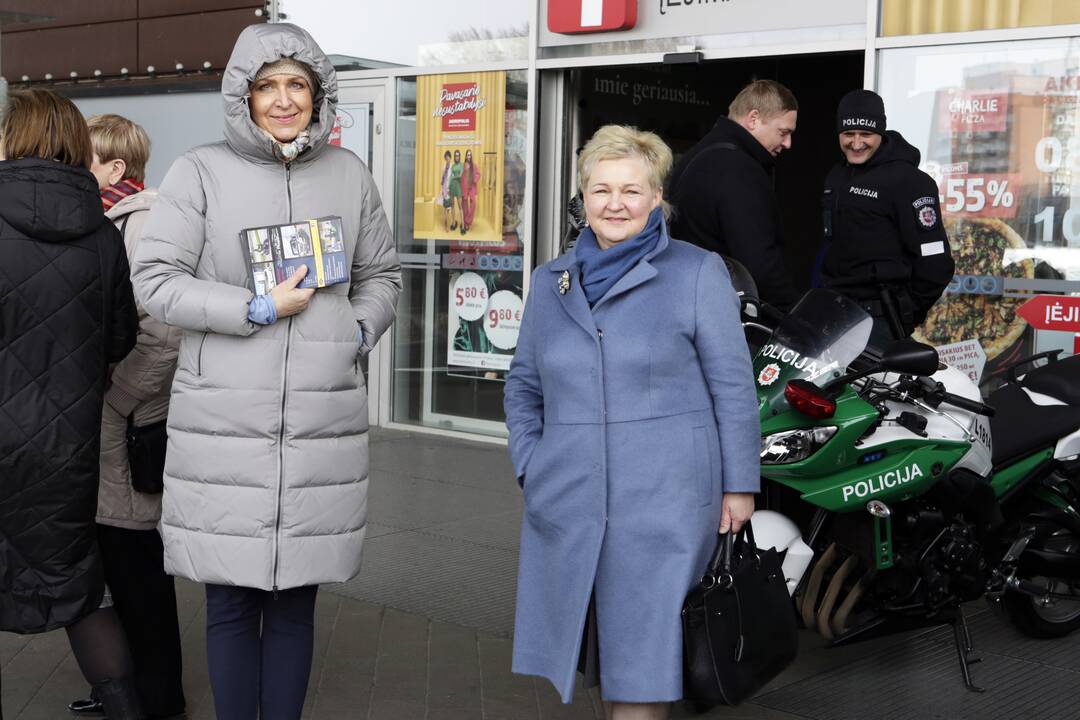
(768, 97)
(615, 142)
(116, 138)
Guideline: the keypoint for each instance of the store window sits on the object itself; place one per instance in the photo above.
(459, 217)
(916, 17)
(999, 128)
(422, 33)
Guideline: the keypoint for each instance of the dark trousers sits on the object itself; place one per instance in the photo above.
(259, 650)
(145, 599)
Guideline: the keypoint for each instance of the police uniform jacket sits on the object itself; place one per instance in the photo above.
(722, 190)
(883, 228)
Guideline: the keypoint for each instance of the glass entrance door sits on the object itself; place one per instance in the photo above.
(459, 225)
(361, 127)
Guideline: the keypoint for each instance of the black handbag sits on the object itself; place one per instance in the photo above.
(146, 455)
(739, 628)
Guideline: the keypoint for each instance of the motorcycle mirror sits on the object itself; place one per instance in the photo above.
(910, 357)
(741, 279)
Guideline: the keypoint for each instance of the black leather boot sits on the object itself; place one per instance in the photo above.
(120, 699)
(90, 707)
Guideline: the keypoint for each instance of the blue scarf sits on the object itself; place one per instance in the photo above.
(601, 269)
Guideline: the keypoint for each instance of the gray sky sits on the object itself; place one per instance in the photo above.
(391, 31)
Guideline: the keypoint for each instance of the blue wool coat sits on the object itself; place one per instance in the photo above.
(627, 423)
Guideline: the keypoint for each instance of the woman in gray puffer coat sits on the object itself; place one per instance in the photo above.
(266, 471)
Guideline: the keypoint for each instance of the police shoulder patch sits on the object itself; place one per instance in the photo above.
(926, 212)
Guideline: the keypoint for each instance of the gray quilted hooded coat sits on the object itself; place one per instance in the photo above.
(266, 472)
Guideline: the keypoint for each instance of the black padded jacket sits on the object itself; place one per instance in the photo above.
(722, 190)
(66, 313)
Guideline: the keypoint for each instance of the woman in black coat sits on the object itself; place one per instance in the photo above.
(66, 313)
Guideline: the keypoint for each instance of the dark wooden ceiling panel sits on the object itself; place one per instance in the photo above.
(105, 46)
(191, 39)
(158, 8)
(67, 12)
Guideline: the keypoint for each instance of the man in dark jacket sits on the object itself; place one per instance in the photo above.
(723, 193)
(886, 246)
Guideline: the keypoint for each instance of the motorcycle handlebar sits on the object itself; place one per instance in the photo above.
(771, 313)
(970, 405)
(936, 392)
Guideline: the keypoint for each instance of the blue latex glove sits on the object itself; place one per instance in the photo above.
(261, 310)
(359, 335)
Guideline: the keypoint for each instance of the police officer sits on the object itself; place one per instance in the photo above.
(885, 243)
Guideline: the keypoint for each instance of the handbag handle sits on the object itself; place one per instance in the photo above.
(721, 564)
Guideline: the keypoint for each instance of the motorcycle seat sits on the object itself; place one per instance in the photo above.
(1060, 380)
(1020, 427)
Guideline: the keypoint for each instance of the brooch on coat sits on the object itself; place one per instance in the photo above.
(564, 282)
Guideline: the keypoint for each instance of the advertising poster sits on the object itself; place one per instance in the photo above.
(484, 322)
(460, 143)
(1002, 149)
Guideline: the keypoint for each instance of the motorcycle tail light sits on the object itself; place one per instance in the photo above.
(808, 399)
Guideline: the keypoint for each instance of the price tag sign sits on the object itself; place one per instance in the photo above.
(966, 356)
(981, 195)
(470, 296)
(503, 319)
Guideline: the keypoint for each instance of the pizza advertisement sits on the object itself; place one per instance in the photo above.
(1000, 134)
(975, 307)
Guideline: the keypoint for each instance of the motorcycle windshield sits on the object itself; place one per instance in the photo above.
(815, 342)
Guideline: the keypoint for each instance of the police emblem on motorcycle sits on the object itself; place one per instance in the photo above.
(768, 374)
(927, 216)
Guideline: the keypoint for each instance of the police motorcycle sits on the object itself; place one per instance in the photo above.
(924, 496)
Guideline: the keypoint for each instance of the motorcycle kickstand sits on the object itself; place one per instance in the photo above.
(964, 648)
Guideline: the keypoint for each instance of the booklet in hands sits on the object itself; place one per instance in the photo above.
(275, 252)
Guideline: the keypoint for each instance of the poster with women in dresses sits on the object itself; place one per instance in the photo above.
(460, 144)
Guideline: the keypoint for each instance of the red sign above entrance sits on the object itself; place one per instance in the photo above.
(589, 16)
(1052, 312)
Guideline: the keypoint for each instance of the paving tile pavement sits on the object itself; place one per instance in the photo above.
(423, 633)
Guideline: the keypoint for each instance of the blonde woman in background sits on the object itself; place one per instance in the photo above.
(136, 402)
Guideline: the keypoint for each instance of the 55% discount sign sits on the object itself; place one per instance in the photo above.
(987, 195)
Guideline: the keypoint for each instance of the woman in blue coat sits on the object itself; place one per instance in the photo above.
(634, 432)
